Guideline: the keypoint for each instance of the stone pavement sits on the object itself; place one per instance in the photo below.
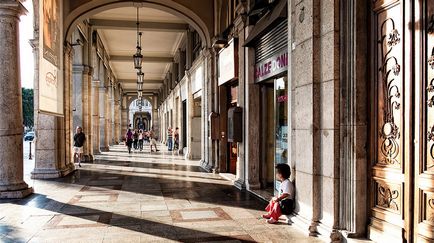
(141, 197)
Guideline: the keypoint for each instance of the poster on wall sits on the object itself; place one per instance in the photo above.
(50, 58)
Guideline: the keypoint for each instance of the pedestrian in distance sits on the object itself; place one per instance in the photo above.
(136, 140)
(79, 139)
(169, 138)
(140, 140)
(153, 140)
(129, 140)
(176, 140)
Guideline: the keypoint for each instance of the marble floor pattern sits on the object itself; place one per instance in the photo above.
(140, 197)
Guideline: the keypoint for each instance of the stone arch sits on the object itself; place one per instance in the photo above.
(130, 100)
(92, 7)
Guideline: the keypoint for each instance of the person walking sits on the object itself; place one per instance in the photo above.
(140, 140)
(136, 140)
(79, 139)
(129, 140)
(153, 140)
(169, 138)
(176, 140)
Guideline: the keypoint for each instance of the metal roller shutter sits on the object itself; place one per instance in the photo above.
(272, 42)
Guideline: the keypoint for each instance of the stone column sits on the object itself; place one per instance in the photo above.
(207, 159)
(53, 141)
(190, 114)
(124, 116)
(12, 184)
(155, 114)
(110, 112)
(81, 84)
(95, 116)
(87, 103)
(117, 118)
(102, 117)
(107, 116)
(241, 161)
(253, 122)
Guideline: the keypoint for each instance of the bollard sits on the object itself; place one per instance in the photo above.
(30, 154)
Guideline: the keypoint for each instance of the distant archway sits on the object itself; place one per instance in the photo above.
(140, 117)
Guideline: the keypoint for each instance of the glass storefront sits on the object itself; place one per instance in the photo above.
(281, 123)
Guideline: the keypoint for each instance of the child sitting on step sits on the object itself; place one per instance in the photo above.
(284, 202)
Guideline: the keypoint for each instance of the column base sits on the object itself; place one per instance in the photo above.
(52, 173)
(17, 191)
(314, 229)
(253, 186)
(88, 158)
(104, 149)
(16, 194)
(206, 166)
(240, 184)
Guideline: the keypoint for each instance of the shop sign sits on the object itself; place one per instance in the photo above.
(227, 70)
(271, 66)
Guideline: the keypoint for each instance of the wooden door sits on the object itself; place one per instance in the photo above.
(424, 128)
(390, 132)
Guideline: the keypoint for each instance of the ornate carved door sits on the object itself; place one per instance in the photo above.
(391, 91)
(424, 123)
(402, 125)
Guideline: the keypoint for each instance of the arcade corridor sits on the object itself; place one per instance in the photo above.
(139, 198)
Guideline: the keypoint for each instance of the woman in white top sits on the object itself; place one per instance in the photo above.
(141, 140)
(284, 202)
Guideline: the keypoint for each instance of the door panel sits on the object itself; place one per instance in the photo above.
(424, 166)
(388, 173)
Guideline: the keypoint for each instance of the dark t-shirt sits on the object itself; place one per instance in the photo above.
(79, 139)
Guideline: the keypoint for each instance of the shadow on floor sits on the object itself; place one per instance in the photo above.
(146, 226)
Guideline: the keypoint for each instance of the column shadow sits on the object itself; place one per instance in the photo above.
(149, 227)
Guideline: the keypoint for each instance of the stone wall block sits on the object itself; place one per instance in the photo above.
(302, 69)
(303, 113)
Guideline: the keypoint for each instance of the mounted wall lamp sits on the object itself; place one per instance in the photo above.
(219, 42)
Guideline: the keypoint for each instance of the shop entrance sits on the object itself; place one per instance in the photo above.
(232, 147)
(184, 126)
(274, 145)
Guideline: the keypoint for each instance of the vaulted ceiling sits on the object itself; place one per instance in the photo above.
(162, 36)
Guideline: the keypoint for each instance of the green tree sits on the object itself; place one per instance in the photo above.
(27, 95)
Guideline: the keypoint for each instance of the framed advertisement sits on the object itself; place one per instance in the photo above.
(50, 81)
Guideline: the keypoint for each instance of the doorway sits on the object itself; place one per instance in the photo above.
(184, 126)
(402, 117)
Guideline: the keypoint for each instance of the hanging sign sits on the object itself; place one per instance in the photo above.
(227, 68)
(50, 81)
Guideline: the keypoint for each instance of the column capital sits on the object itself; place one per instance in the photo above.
(12, 8)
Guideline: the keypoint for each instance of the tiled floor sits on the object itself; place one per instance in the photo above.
(140, 197)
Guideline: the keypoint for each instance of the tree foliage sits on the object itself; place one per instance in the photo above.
(27, 95)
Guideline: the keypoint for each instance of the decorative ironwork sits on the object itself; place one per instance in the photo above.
(393, 38)
(430, 133)
(430, 216)
(431, 59)
(387, 197)
(390, 131)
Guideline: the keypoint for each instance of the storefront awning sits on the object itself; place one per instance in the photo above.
(279, 12)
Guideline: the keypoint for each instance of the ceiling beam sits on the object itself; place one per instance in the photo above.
(145, 59)
(156, 81)
(131, 25)
(145, 91)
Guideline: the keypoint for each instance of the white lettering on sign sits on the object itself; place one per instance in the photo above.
(271, 66)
